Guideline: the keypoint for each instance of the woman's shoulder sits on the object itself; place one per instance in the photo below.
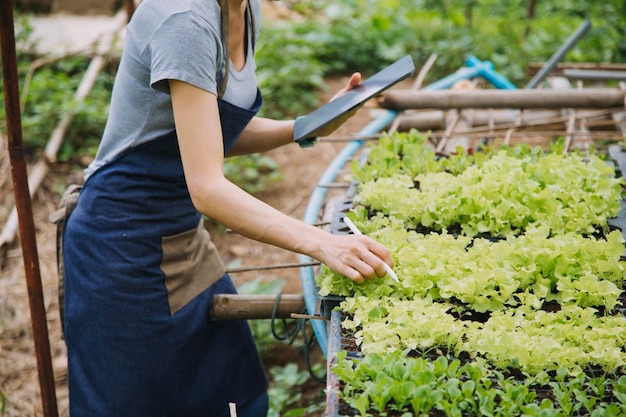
(159, 11)
(182, 20)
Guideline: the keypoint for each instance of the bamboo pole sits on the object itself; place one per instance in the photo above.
(594, 135)
(436, 119)
(252, 307)
(448, 99)
(24, 210)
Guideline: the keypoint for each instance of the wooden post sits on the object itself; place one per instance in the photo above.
(24, 210)
(251, 307)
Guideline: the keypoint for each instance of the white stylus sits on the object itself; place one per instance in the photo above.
(356, 231)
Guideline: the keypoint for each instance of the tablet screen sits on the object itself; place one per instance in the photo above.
(376, 84)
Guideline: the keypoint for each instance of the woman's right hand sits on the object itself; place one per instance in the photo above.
(357, 257)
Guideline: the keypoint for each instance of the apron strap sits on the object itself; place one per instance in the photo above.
(224, 17)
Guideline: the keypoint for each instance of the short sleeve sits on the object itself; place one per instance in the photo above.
(185, 47)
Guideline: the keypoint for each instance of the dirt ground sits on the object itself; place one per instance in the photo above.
(300, 168)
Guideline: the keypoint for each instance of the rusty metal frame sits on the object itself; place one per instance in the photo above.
(24, 210)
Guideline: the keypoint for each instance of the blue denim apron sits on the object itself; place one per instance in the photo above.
(139, 334)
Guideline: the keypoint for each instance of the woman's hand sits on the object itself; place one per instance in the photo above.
(357, 257)
(263, 134)
(353, 82)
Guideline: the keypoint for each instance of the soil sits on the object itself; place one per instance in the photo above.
(300, 169)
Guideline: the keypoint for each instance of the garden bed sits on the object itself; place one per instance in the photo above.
(460, 358)
(344, 342)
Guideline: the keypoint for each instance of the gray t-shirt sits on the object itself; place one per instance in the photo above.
(173, 39)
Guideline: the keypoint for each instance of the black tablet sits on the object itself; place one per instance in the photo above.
(371, 87)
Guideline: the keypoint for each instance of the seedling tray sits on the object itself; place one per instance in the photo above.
(343, 341)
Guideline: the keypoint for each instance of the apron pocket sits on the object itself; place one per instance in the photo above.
(191, 264)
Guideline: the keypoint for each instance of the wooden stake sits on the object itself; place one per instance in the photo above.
(24, 210)
(251, 307)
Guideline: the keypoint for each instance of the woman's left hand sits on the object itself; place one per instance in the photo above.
(354, 81)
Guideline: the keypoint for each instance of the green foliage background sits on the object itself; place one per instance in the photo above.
(364, 35)
(336, 38)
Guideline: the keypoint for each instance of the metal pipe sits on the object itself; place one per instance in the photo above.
(485, 70)
(559, 54)
(24, 210)
(594, 75)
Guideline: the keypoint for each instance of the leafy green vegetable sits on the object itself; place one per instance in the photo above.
(499, 193)
(505, 259)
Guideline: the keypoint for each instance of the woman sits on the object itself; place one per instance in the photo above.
(140, 269)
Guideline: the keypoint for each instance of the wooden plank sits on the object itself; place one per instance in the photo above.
(527, 99)
(560, 68)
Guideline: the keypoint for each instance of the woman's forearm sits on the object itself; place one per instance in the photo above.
(262, 135)
(356, 257)
(253, 218)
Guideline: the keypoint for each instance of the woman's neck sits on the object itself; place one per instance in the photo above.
(236, 33)
(235, 4)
